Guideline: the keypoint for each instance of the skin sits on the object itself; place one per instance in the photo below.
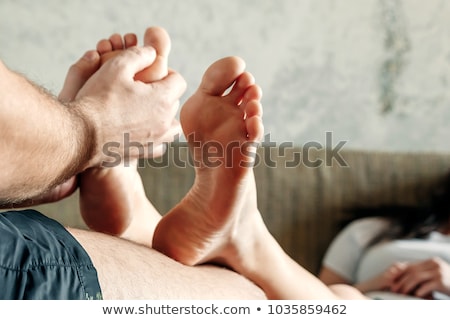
(383, 281)
(222, 203)
(218, 220)
(130, 270)
(118, 190)
(220, 211)
(417, 279)
(422, 278)
(70, 135)
(127, 270)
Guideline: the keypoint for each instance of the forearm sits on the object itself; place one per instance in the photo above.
(45, 142)
(369, 285)
(42, 141)
(382, 281)
(330, 277)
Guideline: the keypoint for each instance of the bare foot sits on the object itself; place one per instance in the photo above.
(78, 74)
(218, 220)
(155, 37)
(113, 200)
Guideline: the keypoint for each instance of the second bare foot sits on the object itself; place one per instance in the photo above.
(113, 200)
(218, 218)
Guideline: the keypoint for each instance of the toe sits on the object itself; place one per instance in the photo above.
(130, 40)
(236, 94)
(159, 39)
(221, 75)
(253, 121)
(78, 74)
(252, 92)
(104, 46)
(252, 108)
(116, 41)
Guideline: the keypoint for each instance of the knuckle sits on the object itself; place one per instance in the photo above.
(122, 60)
(135, 50)
(165, 126)
(435, 261)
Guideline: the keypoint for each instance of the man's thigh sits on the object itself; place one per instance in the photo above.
(130, 271)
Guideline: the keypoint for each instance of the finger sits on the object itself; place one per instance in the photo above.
(433, 263)
(159, 147)
(412, 281)
(172, 133)
(133, 60)
(173, 86)
(427, 288)
(400, 282)
(425, 265)
(396, 271)
(400, 266)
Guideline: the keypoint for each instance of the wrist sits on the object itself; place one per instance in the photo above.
(85, 123)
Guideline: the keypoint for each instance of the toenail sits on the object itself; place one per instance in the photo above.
(90, 56)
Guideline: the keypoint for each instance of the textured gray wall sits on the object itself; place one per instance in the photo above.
(374, 72)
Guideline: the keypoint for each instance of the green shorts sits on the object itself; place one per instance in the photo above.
(40, 259)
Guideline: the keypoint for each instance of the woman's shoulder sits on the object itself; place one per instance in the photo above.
(369, 223)
(362, 230)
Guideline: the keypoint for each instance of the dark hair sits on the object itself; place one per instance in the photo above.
(413, 221)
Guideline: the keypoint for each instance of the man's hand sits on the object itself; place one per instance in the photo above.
(69, 138)
(113, 104)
